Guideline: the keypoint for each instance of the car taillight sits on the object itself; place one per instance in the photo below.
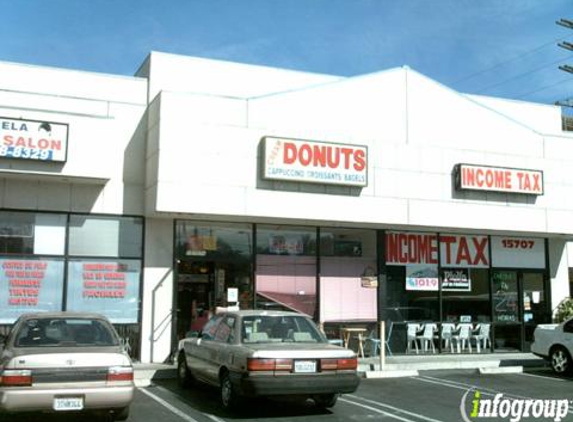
(349, 363)
(16, 377)
(338, 364)
(120, 373)
(256, 364)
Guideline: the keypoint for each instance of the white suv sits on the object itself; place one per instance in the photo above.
(554, 342)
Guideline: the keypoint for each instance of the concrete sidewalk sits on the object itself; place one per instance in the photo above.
(394, 366)
(410, 365)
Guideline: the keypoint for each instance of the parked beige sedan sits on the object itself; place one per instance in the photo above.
(267, 353)
(65, 362)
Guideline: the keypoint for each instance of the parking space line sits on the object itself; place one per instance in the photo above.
(169, 406)
(464, 386)
(209, 415)
(545, 377)
(391, 415)
(450, 384)
(417, 416)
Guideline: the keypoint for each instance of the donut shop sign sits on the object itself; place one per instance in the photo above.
(315, 162)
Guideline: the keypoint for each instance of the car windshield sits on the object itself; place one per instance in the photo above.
(80, 332)
(270, 329)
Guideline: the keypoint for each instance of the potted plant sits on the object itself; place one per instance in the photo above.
(564, 310)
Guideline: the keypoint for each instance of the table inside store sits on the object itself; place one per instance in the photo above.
(354, 332)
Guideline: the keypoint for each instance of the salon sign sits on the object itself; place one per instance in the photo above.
(33, 140)
(298, 160)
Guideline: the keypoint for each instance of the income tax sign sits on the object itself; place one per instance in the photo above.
(33, 140)
(315, 162)
(499, 179)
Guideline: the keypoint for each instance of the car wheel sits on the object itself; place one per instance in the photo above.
(561, 361)
(325, 400)
(184, 376)
(120, 414)
(229, 398)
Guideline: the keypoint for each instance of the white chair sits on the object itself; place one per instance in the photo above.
(373, 344)
(446, 335)
(257, 337)
(462, 337)
(481, 336)
(412, 332)
(427, 337)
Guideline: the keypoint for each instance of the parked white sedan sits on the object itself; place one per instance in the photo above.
(62, 362)
(267, 353)
(554, 342)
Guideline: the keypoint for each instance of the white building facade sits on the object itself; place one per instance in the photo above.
(198, 183)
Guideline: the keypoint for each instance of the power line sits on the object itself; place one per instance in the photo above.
(543, 88)
(536, 49)
(568, 46)
(522, 75)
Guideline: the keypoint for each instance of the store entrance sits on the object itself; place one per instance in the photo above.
(204, 285)
(519, 304)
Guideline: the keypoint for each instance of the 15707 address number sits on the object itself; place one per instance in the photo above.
(517, 243)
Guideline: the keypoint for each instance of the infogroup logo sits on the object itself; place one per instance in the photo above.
(511, 409)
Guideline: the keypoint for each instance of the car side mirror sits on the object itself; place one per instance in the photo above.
(568, 328)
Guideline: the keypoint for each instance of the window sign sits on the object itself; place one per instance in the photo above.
(422, 277)
(110, 288)
(505, 303)
(456, 280)
(33, 140)
(291, 245)
(29, 285)
(517, 252)
(466, 251)
(456, 251)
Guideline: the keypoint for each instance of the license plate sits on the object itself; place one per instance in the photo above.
(68, 403)
(305, 366)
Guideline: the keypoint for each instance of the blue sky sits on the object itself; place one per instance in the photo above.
(505, 48)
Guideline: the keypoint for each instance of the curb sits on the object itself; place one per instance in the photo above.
(390, 374)
(502, 370)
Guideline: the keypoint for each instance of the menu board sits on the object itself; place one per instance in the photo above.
(110, 288)
(29, 285)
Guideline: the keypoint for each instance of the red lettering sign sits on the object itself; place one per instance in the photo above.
(317, 162)
(418, 248)
(499, 179)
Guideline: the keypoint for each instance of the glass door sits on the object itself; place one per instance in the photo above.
(506, 314)
(535, 309)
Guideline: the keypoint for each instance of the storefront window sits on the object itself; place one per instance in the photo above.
(412, 260)
(105, 236)
(29, 285)
(286, 268)
(465, 295)
(213, 240)
(214, 267)
(348, 278)
(108, 287)
(32, 233)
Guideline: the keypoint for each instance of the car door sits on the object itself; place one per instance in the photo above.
(568, 336)
(200, 353)
(220, 349)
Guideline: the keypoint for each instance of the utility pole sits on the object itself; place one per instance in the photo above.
(566, 68)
